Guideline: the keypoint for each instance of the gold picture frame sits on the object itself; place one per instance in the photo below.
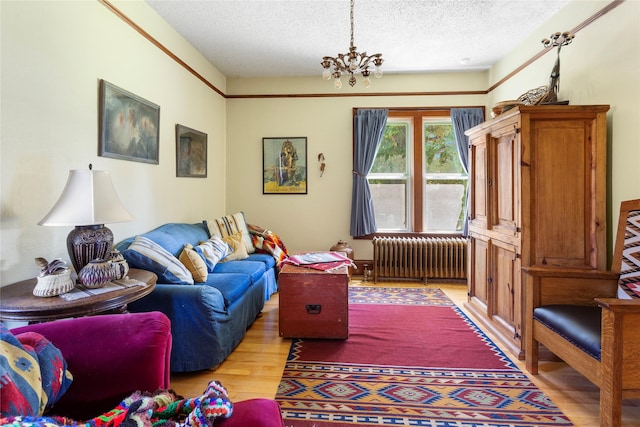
(284, 165)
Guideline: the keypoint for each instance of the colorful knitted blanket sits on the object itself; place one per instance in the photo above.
(160, 409)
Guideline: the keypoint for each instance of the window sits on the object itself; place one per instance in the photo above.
(417, 181)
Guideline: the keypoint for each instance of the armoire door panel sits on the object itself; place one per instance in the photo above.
(561, 211)
(479, 247)
(479, 206)
(505, 153)
(506, 286)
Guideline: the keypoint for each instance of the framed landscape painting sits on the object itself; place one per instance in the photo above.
(284, 165)
(129, 125)
(191, 153)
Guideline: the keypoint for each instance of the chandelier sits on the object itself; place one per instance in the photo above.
(352, 62)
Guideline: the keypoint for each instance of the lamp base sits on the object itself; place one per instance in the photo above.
(88, 242)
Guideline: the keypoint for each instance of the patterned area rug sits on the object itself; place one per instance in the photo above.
(412, 359)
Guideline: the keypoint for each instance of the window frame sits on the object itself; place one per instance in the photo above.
(417, 191)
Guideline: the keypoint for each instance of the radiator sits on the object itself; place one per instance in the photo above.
(419, 258)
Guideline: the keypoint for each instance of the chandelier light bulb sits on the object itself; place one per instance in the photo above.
(326, 74)
(337, 83)
(367, 81)
(377, 72)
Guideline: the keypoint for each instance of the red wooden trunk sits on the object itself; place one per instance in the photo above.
(313, 303)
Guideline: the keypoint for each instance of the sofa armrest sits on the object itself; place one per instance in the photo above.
(110, 356)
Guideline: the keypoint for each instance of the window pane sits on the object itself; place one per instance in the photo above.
(389, 199)
(392, 153)
(445, 181)
(444, 205)
(440, 150)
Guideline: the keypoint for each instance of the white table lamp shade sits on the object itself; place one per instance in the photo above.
(88, 198)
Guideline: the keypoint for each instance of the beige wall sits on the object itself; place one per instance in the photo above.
(55, 52)
(53, 55)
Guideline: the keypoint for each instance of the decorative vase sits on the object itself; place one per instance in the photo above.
(343, 246)
(119, 265)
(96, 273)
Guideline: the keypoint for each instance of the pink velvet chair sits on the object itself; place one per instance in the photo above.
(114, 355)
(109, 356)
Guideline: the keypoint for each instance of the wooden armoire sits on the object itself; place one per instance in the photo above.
(537, 197)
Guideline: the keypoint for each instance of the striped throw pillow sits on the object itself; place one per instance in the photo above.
(213, 251)
(148, 255)
(228, 226)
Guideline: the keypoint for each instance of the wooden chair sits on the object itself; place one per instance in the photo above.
(578, 315)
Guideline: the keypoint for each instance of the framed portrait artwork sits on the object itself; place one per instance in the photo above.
(284, 165)
(129, 125)
(191, 153)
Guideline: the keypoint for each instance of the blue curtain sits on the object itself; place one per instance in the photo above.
(463, 119)
(368, 127)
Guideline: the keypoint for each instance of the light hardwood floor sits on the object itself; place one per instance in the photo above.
(255, 367)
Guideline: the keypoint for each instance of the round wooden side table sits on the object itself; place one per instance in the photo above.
(17, 301)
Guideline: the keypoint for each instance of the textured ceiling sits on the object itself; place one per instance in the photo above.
(289, 37)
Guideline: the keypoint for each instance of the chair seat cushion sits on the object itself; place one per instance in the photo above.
(580, 325)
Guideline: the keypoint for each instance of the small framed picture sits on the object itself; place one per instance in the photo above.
(129, 126)
(191, 153)
(284, 165)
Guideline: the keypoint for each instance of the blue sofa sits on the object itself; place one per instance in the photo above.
(208, 319)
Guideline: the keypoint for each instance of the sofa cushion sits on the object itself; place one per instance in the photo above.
(194, 263)
(238, 248)
(228, 225)
(173, 236)
(213, 251)
(145, 254)
(580, 325)
(232, 286)
(33, 371)
(267, 259)
(253, 269)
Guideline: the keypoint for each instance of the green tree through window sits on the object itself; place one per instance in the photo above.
(417, 181)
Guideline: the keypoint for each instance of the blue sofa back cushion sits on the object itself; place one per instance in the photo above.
(172, 237)
(253, 269)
